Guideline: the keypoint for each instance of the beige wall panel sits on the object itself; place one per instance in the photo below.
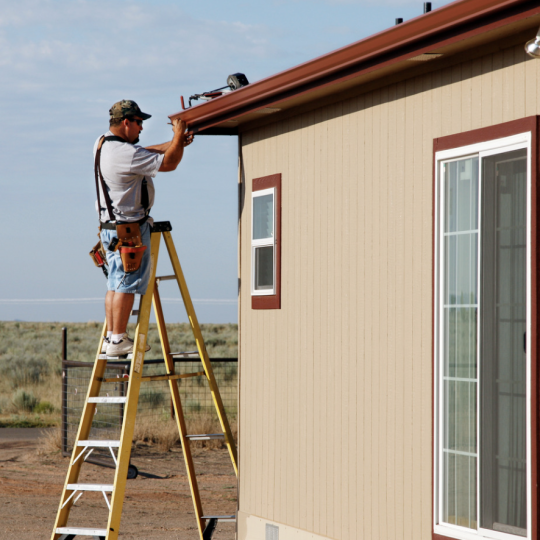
(465, 111)
(359, 330)
(350, 377)
(391, 388)
(335, 388)
(346, 426)
(477, 96)
(455, 103)
(408, 300)
(508, 85)
(368, 308)
(417, 284)
(398, 282)
(487, 84)
(531, 85)
(282, 361)
(384, 356)
(308, 433)
(519, 82)
(313, 521)
(426, 198)
(497, 88)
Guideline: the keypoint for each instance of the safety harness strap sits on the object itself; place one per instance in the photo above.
(145, 200)
(97, 170)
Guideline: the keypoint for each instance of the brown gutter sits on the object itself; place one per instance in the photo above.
(440, 27)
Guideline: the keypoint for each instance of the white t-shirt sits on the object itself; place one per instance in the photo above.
(124, 167)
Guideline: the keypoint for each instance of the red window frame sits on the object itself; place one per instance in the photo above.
(272, 301)
(499, 131)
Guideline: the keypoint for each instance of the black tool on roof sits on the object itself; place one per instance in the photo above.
(234, 82)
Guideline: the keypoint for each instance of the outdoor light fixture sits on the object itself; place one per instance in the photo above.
(532, 47)
(234, 82)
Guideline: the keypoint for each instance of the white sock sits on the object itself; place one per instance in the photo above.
(116, 338)
(109, 334)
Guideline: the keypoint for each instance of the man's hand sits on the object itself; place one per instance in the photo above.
(175, 151)
(179, 129)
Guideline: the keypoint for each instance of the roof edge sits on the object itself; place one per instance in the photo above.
(373, 50)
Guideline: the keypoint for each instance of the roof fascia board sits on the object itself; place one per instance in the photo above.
(444, 26)
(371, 85)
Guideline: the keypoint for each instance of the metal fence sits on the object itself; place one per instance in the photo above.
(155, 405)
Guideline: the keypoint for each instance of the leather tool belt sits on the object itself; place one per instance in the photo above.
(128, 240)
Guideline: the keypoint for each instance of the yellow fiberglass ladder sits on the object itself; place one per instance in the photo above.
(73, 490)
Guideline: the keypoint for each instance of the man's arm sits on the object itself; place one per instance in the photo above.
(159, 148)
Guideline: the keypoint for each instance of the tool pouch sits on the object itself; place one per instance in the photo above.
(131, 246)
(98, 255)
(131, 257)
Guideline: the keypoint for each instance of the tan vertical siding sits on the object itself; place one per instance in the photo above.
(335, 435)
(426, 297)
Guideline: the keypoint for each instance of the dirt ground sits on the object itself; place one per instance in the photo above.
(158, 503)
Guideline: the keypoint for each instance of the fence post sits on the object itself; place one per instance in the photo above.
(123, 393)
(64, 391)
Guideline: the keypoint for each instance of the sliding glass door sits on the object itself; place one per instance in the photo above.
(482, 336)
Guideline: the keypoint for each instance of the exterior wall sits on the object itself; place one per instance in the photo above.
(336, 387)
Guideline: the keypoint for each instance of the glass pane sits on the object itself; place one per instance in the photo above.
(459, 499)
(460, 311)
(264, 268)
(503, 478)
(461, 195)
(263, 217)
(460, 409)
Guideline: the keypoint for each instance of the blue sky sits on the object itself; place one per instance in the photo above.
(63, 63)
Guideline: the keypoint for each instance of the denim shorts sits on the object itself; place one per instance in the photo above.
(133, 282)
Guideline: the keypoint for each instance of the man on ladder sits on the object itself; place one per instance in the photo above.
(130, 199)
(125, 196)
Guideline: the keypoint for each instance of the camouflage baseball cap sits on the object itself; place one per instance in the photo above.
(127, 107)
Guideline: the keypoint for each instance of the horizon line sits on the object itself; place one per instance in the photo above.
(97, 300)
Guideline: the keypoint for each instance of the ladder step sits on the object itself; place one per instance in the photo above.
(221, 518)
(171, 377)
(189, 354)
(82, 531)
(105, 357)
(107, 399)
(165, 278)
(90, 487)
(100, 444)
(205, 436)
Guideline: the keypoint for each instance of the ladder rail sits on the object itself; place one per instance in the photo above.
(130, 410)
(178, 411)
(130, 403)
(82, 433)
(196, 329)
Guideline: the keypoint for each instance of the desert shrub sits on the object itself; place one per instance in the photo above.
(151, 397)
(231, 372)
(23, 370)
(44, 407)
(24, 401)
(193, 405)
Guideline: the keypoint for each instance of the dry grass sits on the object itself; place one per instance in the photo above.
(30, 359)
(50, 442)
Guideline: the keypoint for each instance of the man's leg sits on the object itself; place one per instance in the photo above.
(122, 304)
(109, 310)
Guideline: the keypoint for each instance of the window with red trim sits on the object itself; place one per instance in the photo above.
(266, 242)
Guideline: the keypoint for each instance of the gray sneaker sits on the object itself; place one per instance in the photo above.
(124, 346)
